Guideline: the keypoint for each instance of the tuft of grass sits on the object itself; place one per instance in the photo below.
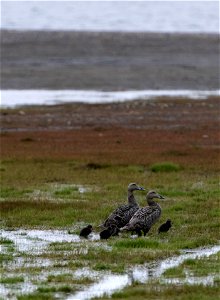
(65, 289)
(65, 192)
(137, 243)
(115, 268)
(47, 289)
(11, 192)
(53, 289)
(4, 241)
(174, 272)
(12, 280)
(5, 257)
(68, 278)
(36, 296)
(165, 167)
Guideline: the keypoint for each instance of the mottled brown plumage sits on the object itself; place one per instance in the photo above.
(121, 216)
(145, 217)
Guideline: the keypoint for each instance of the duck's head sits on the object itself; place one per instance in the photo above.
(168, 221)
(152, 194)
(89, 226)
(134, 187)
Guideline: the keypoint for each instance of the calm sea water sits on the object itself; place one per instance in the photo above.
(153, 16)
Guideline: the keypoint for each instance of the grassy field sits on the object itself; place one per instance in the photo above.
(69, 194)
(43, 189)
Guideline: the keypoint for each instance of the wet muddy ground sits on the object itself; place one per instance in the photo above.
(29, 264)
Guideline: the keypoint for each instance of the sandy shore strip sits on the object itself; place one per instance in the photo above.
(109, 61)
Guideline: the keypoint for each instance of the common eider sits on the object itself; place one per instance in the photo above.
(121, 216)
(145, 217)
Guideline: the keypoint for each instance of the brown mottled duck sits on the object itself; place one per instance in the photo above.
(145, 217)
(121, 216)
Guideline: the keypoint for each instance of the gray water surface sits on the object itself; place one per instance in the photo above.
(139, 16)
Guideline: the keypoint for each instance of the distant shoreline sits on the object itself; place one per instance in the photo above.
(162, 114)
(114, 61)
(19, 98)
(103, 32)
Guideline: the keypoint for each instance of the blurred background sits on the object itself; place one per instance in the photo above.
(82, 50)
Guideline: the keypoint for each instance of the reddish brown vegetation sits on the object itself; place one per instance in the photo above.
(139, 132)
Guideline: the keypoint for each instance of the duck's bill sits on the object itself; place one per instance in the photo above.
(160, 196)
(140, 188)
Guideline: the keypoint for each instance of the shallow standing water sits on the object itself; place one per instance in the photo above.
(11, 98)
(32, 243)
(143, 274)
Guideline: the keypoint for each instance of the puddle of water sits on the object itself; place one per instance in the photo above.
(35, 242)
(107, 285)
(56, 187)
(207, 280)
(188, 254)
(11, 98)
(142, 274)
(78, 187)
(86, 272)
(18, 288)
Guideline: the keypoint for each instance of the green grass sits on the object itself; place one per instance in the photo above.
(156, 291)
(4, 241)
(44, 194)
(37, 296)
(11, 192)
(137, 243)
(115, 268)
(174, 272)
(5, 257)
(12, 280)
(203, 266)
(68, 278)
(165, 167)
